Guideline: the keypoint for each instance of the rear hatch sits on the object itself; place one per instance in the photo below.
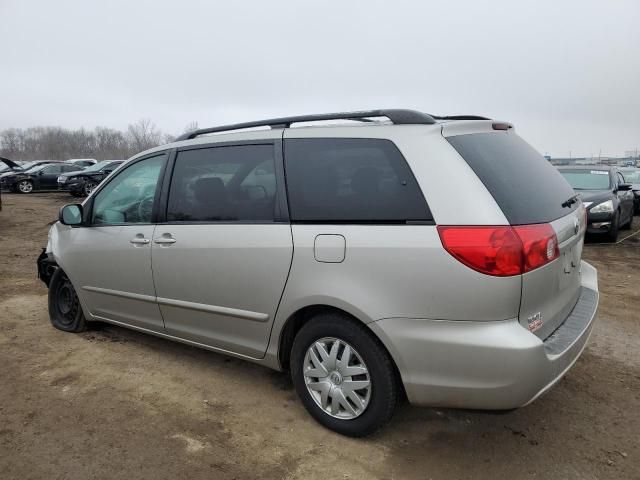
(530, 190)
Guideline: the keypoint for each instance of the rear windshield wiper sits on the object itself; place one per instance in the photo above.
(570, 201)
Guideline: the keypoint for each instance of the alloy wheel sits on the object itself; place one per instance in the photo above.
(25, 186)
(88, 188)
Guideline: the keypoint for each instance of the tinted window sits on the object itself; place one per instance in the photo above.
(351, 180)
(52, 169)
(587, 179)
(631, 176)
(525, 186)
(223, 184)
(128, 198)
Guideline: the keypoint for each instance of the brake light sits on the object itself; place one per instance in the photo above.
(501, 251)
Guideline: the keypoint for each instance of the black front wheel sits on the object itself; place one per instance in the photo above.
(65, 311)
(612, 234)
(629, 224)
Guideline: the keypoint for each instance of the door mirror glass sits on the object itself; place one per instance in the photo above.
(71, 214)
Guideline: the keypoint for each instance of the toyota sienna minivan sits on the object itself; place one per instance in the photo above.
(393, 253)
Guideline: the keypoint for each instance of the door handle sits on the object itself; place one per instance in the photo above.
(165, 239)
(139, 241)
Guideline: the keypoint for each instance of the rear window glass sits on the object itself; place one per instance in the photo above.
(525, 186)
(587, 179)
(351, 180)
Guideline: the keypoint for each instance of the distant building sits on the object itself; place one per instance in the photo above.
(571, 161)
(603, 160)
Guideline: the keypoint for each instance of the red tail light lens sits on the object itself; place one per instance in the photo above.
(540, 245)
(501, 251)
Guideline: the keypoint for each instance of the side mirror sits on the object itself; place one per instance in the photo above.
(624, 187)
(71, 214)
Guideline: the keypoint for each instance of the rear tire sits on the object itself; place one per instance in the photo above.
(65, 311)
(328, 391)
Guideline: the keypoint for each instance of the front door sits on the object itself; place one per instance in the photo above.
(111, 262)
(48, 176)
(221, 260)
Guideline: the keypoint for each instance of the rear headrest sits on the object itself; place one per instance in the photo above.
(324, 187)
(366, 180)
(210, 189)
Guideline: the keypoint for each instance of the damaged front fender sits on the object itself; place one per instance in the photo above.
(46, 266)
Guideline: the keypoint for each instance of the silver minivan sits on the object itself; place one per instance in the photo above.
(383, 254)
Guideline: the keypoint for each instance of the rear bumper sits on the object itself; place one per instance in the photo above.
(486, 365)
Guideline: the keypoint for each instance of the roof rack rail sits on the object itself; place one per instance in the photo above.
(462, 117)
(397, 117)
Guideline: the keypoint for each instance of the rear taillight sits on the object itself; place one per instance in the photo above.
(501, 251)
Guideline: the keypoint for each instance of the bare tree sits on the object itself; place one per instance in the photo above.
(191, 127)
(102, 143)
(144, 135)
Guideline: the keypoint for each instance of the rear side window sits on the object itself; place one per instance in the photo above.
(52, 169)
(217, 184)
(351, 180)
(525, 186)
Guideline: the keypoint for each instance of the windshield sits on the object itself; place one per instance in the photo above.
(631, 176)
(26, 166)
(35, 168)
(587, 179)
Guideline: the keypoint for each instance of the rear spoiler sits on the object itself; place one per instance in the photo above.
(464, 127)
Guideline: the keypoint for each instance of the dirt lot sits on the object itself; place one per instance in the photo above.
(113, 403)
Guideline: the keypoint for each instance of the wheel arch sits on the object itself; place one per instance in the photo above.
(300, 317)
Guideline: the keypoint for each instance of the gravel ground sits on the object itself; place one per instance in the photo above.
(113, 403)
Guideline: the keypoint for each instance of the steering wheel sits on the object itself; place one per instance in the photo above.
(145, 208)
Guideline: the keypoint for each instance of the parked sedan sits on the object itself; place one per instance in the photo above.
(84, 181)
(632, 176)
(39, 177)
(21, 167)
(607, 196)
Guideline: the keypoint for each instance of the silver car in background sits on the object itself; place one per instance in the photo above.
(397, 253)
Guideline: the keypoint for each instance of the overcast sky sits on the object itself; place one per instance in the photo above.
(566, 73)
